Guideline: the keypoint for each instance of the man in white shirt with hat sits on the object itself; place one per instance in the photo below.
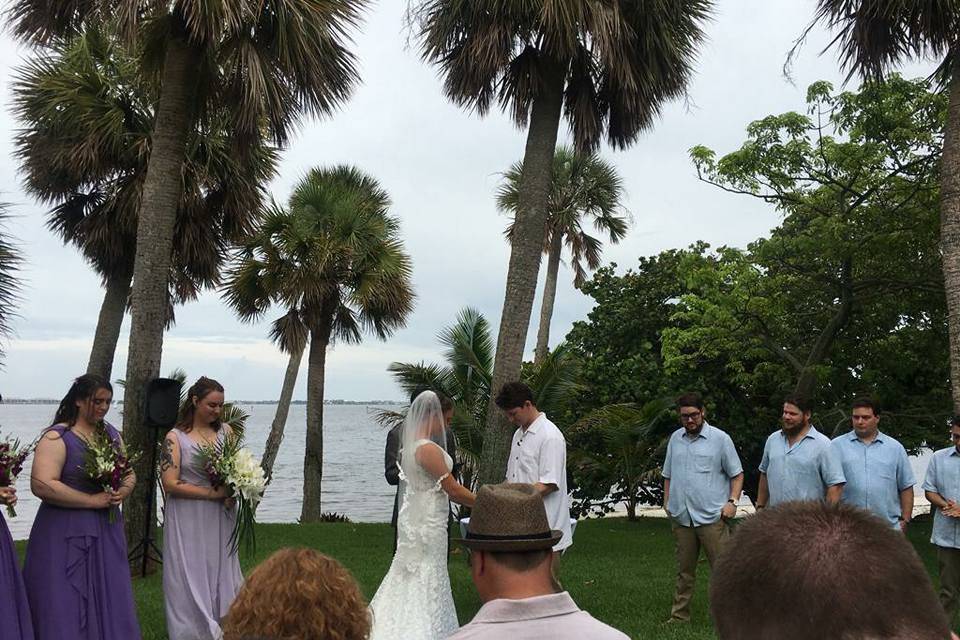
(510, 542)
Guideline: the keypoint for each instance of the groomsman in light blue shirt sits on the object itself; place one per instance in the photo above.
(798, 462)
(702, 482)
(878, 473)
(942, 488)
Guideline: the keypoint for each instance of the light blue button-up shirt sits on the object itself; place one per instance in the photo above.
(943, 477)
(876, 473)
(699, 471)
(803, 471)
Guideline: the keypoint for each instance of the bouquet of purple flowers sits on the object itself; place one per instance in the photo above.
(12, 457)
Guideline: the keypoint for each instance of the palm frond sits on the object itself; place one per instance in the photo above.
(620, 60)
(234, 416)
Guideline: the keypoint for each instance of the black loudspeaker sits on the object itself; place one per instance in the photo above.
(162, 403)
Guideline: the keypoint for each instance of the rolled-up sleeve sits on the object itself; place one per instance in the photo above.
(553, 461)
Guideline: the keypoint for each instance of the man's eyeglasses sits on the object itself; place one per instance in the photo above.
(955, 437)
(690, 417)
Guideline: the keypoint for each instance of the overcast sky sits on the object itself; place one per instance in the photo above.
(441, 167)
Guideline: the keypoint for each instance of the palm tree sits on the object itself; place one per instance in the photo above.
(88, 158)
(10, 263)
(336, 257)
(464, 377)
(607, 66)
(583, 185)
(290, 334)
(618, 448)
(268, 62)
(876, 36)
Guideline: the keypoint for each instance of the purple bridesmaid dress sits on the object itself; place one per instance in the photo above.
(76, 571)
(200, 575)
(15, 623)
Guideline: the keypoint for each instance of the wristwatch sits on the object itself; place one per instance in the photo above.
(732, 501)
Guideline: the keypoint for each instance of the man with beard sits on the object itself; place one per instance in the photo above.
(702, 483)
(798, 462)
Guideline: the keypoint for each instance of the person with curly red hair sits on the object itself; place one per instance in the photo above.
(298, 594)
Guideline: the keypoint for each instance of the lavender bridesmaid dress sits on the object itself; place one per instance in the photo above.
(15, 623)
(76, 571)
(200, 575)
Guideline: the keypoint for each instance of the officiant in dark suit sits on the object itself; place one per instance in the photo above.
(391, 470)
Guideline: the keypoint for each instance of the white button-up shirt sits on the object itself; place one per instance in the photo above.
(539, 454)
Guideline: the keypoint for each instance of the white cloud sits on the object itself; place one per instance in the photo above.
(440, 165)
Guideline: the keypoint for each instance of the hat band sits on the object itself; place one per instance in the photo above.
(523, 536)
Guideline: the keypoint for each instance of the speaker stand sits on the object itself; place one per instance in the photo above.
(146, 549)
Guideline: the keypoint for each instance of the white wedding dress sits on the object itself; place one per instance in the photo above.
(414, 601)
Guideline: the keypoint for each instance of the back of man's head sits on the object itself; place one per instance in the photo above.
(513, 575)
(806, 570)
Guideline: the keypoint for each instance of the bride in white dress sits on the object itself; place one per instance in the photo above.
(414, 601)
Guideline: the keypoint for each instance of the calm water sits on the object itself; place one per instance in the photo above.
(353, 481)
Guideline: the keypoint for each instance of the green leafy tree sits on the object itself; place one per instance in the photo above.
(335, 256)
(875, 36)
(584, 188)
(268, 62)
(604, 66)
(621, 347)
(88, 159)
(855, 181)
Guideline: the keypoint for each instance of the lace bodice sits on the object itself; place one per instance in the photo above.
(414, 601)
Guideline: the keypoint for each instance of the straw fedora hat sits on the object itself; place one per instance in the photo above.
(509, 517)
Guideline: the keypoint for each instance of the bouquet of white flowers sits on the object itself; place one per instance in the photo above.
(228, 464)
(107, 463)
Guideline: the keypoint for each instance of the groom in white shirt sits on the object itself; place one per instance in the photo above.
(538, 456)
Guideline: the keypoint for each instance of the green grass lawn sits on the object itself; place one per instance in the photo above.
(621, 572)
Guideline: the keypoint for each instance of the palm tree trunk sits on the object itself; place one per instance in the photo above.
(525, 250)
(105, 339)
(280, 418)
(549, 297)
(158, 209)
(313, 451)
(950, 231)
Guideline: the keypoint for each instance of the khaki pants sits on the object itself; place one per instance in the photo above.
(949, 560)
(711, 537)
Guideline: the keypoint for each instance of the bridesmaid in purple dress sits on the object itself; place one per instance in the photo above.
(201, 577)
(76, 571)
(15, 623)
